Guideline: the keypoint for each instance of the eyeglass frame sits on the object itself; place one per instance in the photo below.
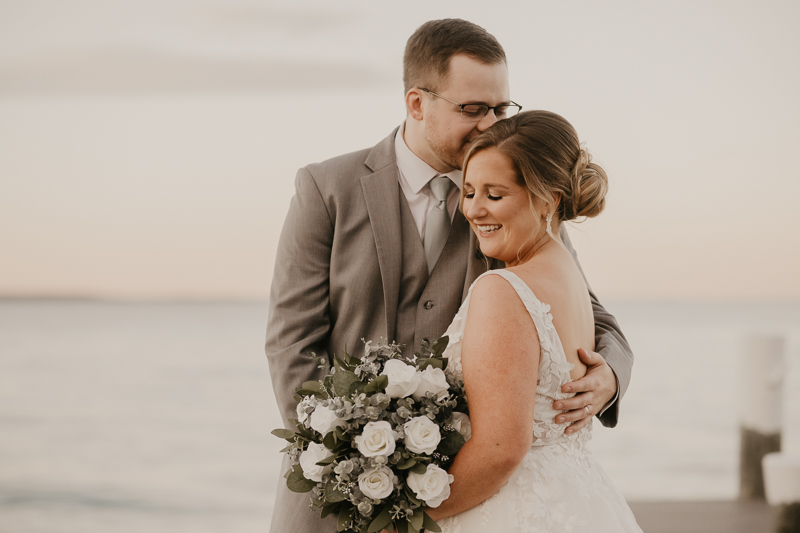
(511, 103)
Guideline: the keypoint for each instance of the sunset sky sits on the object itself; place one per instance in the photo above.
(148, 149)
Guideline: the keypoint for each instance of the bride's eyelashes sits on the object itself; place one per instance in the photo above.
(471, 195)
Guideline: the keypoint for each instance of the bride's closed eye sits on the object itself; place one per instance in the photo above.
(471, 195)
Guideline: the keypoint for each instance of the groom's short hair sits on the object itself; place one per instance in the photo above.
(426, 62)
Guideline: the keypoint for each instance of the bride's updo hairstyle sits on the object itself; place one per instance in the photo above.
(545, 150)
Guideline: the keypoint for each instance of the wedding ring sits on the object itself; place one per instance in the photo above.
(587, 410)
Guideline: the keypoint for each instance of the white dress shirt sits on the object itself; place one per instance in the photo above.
(415, 174)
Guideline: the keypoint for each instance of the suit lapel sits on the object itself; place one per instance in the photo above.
(382, 196)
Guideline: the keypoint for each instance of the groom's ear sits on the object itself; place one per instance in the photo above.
(414, 103)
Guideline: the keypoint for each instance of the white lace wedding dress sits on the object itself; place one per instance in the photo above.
(558, 487)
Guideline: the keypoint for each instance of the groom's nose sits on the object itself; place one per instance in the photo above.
(487, 120)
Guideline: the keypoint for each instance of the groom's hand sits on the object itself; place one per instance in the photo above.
(593, 392)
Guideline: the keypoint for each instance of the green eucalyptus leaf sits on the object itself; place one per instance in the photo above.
(333, 495)
(408, 464)
(307, 392)
(357, 387)
(402, 526)
(419, 468)
(422, 364)
(411, 496)
(351, 361)
(297, 482)
(305, 432)
(380, 522)
(429, 524)
(415, 521)
(451, 443)
(341, 435)
(342, 364)
(345, 517)
(439, 346)
(342, 380)
(287, 434)
(328, 460)
(312, 385)
(315, 387)
(329, 440)
(378, 384)
(328, 508)
(328, 383)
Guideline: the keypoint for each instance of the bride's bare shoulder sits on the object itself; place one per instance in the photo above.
(494, 296)
(498, 322)
(491, 284)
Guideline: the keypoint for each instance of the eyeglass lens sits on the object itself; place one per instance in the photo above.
(478, 111)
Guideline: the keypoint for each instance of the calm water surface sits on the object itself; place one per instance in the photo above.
(156, 417)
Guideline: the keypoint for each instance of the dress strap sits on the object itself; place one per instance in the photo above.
(522, 289)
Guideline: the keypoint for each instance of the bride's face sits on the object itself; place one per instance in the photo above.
(499, 209)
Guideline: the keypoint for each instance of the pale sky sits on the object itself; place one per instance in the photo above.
(148, 150)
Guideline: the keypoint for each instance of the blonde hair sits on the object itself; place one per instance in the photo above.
(550, 162)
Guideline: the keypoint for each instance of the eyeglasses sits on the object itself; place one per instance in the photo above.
(478, 111)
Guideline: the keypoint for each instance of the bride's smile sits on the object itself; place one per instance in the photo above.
(508, 224)
(486, 230)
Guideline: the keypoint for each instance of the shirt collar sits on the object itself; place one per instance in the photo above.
(416, 171)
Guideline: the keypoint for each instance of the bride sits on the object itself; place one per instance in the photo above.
(516, 338)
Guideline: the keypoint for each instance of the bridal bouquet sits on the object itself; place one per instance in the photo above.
(374, 438)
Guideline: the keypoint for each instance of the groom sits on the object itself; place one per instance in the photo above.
(374, 245)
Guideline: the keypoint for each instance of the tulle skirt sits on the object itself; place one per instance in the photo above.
(557, 488)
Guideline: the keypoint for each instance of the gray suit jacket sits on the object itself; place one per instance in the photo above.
(337, 279)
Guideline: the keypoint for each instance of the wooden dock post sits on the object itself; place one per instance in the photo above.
(782, 482)
(760, 394)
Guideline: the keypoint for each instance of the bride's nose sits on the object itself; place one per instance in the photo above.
(476, 208)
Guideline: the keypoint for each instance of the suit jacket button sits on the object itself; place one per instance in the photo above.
(428, 304)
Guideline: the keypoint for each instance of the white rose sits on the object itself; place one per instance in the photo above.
(403, 378)
(433, 380)
(422, 435)
(377, 438)
(377, 483)
(323, 419)
(462, 424)
(309, 459)
(432, 487)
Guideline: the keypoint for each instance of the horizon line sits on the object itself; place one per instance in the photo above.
(5, 298)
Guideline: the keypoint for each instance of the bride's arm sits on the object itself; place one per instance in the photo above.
(500, 361)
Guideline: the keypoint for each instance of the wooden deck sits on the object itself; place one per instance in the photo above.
(703, 517)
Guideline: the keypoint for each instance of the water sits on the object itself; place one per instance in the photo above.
(156, 417)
